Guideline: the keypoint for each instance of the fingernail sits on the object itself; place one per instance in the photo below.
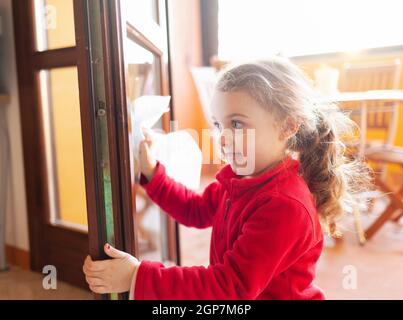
(108, 246)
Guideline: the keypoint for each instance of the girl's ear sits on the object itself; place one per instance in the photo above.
(289, 128)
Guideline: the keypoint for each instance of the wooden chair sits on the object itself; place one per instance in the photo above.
(379, 116)
(394, 211)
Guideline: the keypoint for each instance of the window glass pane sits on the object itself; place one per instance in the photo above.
(257, 29)
(140, 9)
(63, 142)
(143, 78)
(142, 16)
(54, 24)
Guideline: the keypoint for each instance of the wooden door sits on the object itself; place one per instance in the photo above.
(58, 131)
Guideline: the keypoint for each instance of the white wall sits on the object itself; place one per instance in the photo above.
(16, 217)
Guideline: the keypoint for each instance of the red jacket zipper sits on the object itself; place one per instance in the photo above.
(227, 204)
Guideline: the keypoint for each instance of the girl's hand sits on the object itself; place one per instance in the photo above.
(147, 162)
(114, 275)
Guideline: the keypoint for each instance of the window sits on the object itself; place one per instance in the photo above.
(64, 152)
(258, 28)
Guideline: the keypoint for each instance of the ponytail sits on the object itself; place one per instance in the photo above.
(333, 179)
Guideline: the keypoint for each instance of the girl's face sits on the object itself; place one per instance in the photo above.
(250, 137)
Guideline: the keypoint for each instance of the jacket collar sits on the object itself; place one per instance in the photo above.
(234, 183)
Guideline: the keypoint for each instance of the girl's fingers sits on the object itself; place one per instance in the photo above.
(97, 266)
(145, 150)
(95, 282)
(99, 289)
(91, 265)
(148, 137)
(143, 146)
(87, 260)
(86, 264)
(146, 132)
(113, 252)
(92, 273)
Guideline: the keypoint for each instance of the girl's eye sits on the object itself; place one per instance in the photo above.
(217, 126)
(236, 124)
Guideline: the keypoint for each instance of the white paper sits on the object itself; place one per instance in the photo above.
(145, 112)
(181, 157)
(177, 151)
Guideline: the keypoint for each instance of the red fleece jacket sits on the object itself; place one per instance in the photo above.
(266, 237)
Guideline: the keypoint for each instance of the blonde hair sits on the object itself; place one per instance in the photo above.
(281, 87)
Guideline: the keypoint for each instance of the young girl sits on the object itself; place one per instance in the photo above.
(267, 221)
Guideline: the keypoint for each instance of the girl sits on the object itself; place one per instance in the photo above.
(267, 219)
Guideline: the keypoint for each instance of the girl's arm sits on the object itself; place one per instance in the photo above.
(184, 205)
(273, 238)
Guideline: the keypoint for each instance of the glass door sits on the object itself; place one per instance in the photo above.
(145, 57)
(129, 42)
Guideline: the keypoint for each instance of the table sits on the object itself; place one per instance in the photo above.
(372, 95)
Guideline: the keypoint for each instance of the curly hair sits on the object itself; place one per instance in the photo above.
(281, 87)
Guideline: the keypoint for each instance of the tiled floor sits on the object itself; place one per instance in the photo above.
(18, 284)
(378, 265)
